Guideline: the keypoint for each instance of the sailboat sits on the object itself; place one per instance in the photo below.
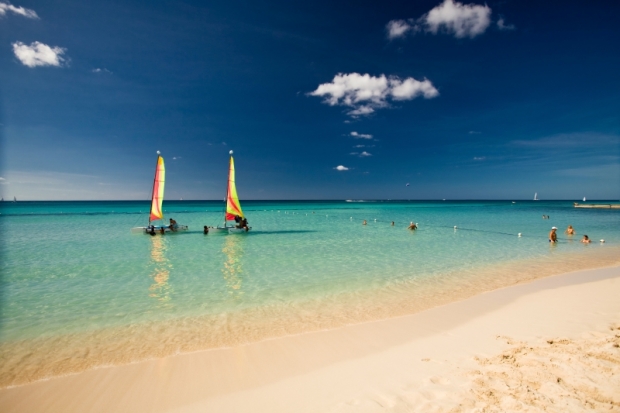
(584, 199)
(157, 199)
(536, 196)
(233, 206)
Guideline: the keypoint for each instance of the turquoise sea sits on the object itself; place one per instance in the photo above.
(79, 290)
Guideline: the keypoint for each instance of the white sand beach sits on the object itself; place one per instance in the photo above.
(548, 345)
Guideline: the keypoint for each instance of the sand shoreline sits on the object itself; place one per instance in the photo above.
(414, 361)
(51, 357)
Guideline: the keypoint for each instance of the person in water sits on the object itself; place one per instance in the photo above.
(392, 223)
(162, 230)
(570, 230)
(585, 239)
(244, 224)
(553, 237)
(151, 230)
(412, 226)
(173, 225)
(364, 223)
(205, 230)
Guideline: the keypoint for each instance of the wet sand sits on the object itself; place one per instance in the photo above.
(550, 344)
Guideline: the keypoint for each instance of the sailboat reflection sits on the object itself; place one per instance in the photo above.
(233, 268)
(160, 289)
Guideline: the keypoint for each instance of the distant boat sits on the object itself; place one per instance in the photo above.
(14, 199)
(536, 196)
(584, 199)
(233, 206)
(157, 199)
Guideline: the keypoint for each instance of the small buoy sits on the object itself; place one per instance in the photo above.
(519, 235)
(602, 241)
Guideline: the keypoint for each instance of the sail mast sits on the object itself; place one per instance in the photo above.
(227, 190)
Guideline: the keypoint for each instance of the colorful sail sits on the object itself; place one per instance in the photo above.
(158, 190)
(233, 207)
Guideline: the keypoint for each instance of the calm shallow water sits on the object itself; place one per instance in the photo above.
(74, 277)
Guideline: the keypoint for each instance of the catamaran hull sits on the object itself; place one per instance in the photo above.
(238, 230)
(158, 228)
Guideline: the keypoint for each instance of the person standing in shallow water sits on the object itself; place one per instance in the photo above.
(553, 237)
(570, 230)
(412, 226)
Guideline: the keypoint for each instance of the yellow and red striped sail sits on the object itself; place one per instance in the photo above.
(158, 191)
(233, 207)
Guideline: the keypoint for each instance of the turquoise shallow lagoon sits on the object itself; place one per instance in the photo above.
(77, 285)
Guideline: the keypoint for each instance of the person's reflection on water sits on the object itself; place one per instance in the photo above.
(160, 289)
(233, 265)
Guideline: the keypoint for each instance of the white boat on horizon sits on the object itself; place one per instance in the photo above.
(536, 196)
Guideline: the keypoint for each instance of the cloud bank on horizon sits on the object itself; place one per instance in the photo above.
(458, 19)
(364, 94)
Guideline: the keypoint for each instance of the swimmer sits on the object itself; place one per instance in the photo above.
(162, 230)
(585, 239)
(553, 237)
(392, 223)
(205, 230)
(412, 226)
(364, 223)
(570, 230)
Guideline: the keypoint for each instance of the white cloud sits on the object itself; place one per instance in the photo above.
(101, 70)
(361, 135)
(366, 93)
(410, 88)
(38, 54)
(462, 20)
(341, 168)
(397, 28)
(359, 146)
(458, 19)
(176, 158)
(2, 179)
(365, 154)
(479, 158)
(501, 24)
(30, 14)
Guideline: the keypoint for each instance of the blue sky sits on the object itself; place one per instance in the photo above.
(319, 100)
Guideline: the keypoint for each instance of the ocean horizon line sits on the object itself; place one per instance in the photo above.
(322, 200)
